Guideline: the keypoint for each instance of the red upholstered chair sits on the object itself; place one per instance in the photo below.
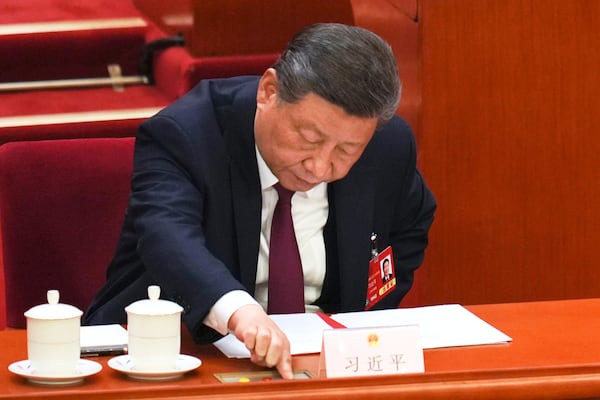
(61, 207)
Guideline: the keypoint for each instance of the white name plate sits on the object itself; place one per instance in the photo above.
(372, 351)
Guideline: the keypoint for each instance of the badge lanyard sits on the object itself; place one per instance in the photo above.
(382, 275)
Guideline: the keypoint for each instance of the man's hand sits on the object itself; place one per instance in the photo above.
(268, 345)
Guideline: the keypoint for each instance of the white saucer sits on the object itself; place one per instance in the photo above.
(185, 364)
(84, 368)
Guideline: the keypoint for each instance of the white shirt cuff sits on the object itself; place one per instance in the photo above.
(223, 309)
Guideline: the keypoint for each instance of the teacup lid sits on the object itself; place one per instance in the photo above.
(54, 309)
(153, 305)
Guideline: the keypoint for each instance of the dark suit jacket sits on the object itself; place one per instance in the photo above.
(193, 221)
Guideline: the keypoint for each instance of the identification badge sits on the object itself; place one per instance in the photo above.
(382, 277)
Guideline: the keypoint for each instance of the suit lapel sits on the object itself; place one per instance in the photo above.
(353, 207)
(238, 128)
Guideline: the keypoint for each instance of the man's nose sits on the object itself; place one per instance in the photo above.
(319, 164)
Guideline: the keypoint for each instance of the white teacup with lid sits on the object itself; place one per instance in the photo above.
(53, 330)
(154, 333)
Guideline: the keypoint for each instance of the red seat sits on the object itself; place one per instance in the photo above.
(61, 206)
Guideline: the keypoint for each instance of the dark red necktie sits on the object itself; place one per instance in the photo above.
(286, 280)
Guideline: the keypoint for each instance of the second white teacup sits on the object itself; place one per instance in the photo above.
(154, 333)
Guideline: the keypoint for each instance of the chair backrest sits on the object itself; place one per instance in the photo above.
(62, 203)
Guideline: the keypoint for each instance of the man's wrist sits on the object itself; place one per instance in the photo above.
(223, 309)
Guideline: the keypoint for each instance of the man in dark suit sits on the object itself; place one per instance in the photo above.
(320, 123)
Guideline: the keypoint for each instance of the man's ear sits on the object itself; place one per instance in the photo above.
(267, 87)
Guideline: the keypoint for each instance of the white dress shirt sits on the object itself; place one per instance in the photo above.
(309, 213)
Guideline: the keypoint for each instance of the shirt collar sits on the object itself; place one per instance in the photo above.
(267, 179)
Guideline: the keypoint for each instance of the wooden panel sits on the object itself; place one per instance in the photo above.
(173, 16)
(234, 27)
(509, 144)
(396, 22)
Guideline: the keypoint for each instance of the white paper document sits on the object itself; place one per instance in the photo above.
(448, 325)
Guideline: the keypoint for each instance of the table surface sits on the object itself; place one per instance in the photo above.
(555, 354)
